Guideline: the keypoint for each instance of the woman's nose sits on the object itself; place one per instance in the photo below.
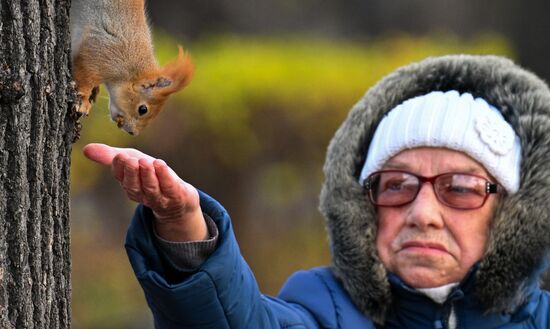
(425, 210)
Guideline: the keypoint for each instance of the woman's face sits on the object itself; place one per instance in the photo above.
(426, 243)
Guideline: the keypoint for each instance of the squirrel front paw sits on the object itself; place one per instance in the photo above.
(86, 100)
(84, 104)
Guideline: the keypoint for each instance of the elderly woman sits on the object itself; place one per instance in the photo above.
(435, 201)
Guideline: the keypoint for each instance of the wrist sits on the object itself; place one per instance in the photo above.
(186, 227)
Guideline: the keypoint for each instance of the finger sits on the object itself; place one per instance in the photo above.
(131, 181)
(169, 183)
(149, 181)
(134, 153)
(118, 164)
(100, 153)
(104, 154)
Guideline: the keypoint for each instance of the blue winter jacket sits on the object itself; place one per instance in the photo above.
(223, 293)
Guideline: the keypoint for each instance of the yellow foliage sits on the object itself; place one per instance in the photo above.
(298, 76)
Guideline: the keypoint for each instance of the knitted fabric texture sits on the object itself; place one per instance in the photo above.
(450, 120)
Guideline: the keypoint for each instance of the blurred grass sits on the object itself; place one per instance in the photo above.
(251, 129)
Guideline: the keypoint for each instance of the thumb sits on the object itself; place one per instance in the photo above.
(100, 153)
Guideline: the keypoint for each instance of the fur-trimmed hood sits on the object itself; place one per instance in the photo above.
(519, 241)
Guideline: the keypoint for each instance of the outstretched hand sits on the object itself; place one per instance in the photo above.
(150, 181)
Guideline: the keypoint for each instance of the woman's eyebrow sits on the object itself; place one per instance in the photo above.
(396, 165)
(406, 167)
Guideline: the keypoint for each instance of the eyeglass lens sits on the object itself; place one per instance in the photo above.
(394, 188)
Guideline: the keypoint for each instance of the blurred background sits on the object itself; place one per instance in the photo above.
(273, 81)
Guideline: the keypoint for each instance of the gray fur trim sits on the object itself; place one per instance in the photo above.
(520, 236)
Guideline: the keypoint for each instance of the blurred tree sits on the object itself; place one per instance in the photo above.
(36, 134)
(524, 23)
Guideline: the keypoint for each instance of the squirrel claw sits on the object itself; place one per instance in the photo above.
(84, 108)
(87, 100)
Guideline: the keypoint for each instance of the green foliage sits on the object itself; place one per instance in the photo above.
(251, 129)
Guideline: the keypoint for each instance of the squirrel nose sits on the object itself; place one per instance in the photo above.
(131, 130)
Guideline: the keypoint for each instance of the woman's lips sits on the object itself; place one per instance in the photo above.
(423, 246)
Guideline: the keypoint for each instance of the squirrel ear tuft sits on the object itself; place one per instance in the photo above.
(149, 85)
(178, 74)
(162, 82)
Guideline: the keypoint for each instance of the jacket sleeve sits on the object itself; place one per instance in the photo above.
(542, 313)
(222, 293)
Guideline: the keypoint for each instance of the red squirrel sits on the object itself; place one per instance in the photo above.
(111, 44)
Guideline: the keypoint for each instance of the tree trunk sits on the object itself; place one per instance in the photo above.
(36, 134)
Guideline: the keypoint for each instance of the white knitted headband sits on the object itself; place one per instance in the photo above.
(450, 120)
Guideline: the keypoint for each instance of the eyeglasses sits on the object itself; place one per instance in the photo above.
(393, 188)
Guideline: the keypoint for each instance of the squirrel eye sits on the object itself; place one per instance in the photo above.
(142, 110)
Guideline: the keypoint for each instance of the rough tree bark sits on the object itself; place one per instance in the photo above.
(36, 134)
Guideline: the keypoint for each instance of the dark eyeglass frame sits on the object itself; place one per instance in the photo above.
(490, 188)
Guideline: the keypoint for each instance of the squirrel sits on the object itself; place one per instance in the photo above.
(111, 44)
